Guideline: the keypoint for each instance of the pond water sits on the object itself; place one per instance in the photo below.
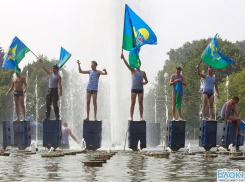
(124, 166)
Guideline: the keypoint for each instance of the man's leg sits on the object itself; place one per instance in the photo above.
(48, 105)
(133, 98)
(55, 99)
(16, 101)
(211, 101)
(173, 106)
(204, 104)
(238, 124)
(22, 104)
(141, 107)
(95, 106)
(88, 104)
(179, 111)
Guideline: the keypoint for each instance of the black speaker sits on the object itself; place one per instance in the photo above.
(175, 138)
(207, 134)
(92, 134)
(52, 134)
(5, 134)
(136, 132)
(22, 134)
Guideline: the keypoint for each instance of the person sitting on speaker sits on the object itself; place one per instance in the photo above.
(137, 88)
(66, 132)
(230, 114)
(208, 91)
(174, 79)
(17, 84)
(53, 96)
(92, 88)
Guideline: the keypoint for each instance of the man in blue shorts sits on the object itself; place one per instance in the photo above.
(208, 91)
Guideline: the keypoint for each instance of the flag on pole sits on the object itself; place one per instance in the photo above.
(213, 57)
(136, 33)
(64, 56)
(178, 95)
(14, 55)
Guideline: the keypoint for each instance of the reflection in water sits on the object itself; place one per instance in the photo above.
(137, 164)
(124, 166)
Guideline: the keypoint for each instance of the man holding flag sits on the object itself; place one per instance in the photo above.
(16, 52)
(136, 33)
(177, 81)
(53, 96)
(17, 85)
(208, 91)
(137, 88)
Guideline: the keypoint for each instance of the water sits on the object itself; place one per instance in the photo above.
(124, 166)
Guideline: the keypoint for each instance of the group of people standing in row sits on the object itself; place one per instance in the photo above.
(228, 113)
(139, 79)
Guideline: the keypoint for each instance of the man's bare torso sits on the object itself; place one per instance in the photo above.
(18, 83)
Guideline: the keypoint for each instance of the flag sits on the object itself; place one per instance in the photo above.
(64, 56)
(242, 124)
(136, 33)
(178, 95)
(14, 55)
(213, 57)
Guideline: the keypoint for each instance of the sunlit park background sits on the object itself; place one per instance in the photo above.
(92, 30)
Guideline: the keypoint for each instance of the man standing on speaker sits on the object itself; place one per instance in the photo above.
(137, 88)
(92, 88)
(17, 84)
(53, 96)
(175, 79)
(208, 91)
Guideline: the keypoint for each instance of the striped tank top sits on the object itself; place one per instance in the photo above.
(137, 79)
(93, 80)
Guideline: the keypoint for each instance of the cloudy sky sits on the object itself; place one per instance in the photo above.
(92, 29)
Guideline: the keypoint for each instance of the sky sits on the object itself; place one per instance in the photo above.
(92, 30)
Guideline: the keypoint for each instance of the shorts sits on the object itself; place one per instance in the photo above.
(209, 94)
(92, 91)
(137, 91)
(18, 93)
(174, 92)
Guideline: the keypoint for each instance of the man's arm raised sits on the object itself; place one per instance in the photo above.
(200, 74)
(80, 70)
(126, 63)
(44, 67)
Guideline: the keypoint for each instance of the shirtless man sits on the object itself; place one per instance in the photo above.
(66, 132)
(227, 113)
(208, 91)
(92, 87)
(17, 84)
(173, 81)
(137, 88)
(53, 96)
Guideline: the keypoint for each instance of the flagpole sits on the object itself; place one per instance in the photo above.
(33, 53)
(200, 62)
(74, 57)
(28, 48)
(123, 25)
